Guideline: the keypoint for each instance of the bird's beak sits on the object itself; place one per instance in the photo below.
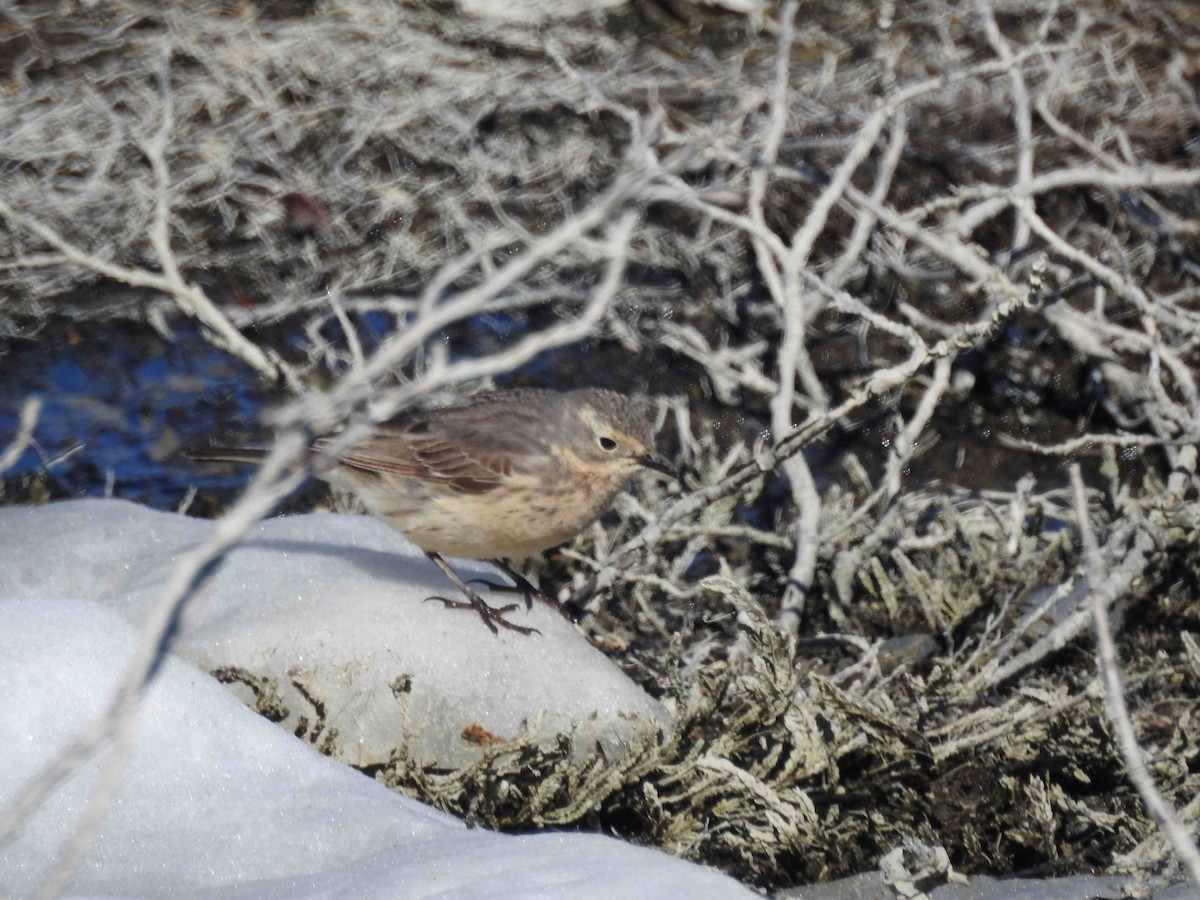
(659, 464)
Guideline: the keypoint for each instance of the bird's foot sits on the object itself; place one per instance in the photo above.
(491, 615)
(523, 587)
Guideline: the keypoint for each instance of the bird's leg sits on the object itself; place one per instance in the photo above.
(520, 585)
(490, 615)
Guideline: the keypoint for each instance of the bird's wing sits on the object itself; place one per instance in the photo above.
(470, 447)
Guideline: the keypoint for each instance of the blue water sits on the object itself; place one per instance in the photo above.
(121, 402)
(125, 401)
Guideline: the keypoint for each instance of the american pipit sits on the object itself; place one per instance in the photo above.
(497, 475)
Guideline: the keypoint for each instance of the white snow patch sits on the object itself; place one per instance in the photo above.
(218, 802)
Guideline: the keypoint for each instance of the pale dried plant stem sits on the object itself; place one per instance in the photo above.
(1091, 441)
(766, 250)
(782, 275)
(864, 220)
(1181, 371)
(438, 316)
(1114, 694)
(1146, 176)
(1133, 562)
(31, 409)
(560, 334)
(1022, 116)
(797, 313)
(850, 560)
(624, 555)
(189, 298)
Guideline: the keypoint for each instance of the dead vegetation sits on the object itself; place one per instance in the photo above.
(910, 260)
(981, 728)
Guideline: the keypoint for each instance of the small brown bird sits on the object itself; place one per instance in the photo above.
(496, 475)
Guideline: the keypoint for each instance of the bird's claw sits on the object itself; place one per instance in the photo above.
(491, 615)
(526, 590)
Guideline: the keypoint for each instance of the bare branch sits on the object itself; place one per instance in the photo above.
(1114, 693)
(30, 411)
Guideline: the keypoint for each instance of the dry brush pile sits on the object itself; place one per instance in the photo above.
(913, 258)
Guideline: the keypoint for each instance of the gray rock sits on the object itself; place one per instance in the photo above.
(872, 886)
(1075, 887)
(320, 621)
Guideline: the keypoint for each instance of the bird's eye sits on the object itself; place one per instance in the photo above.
(607, 444)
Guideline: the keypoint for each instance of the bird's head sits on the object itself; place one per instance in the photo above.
(613, 433)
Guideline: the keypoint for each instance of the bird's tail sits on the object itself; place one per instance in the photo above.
(227, 454)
